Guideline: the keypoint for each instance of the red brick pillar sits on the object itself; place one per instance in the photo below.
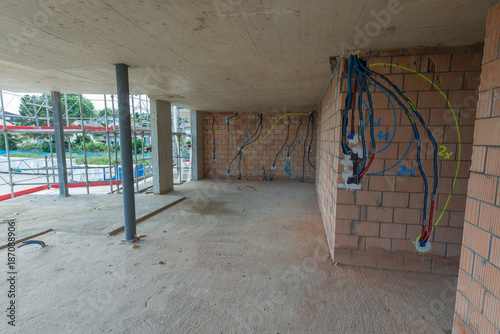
(477, 307)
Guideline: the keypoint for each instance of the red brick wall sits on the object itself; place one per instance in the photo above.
(477, 307)
(262, 153)
(328, 156)
(375, 226)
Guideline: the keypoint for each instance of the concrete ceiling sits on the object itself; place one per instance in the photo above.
(220, 55)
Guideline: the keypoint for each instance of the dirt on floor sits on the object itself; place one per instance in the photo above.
(98, 214)
(223, 261)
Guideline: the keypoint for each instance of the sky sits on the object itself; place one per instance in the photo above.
(11, 101)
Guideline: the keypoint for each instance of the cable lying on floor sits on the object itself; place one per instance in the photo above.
(32, 242)
(361, 75)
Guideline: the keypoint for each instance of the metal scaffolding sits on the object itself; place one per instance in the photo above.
(36, 126)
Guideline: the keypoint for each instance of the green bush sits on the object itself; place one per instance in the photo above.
(29, 147)
(11, 140)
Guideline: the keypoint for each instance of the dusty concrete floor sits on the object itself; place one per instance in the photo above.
(96, 214)
(207, 266)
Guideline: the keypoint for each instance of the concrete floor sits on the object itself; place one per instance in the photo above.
(98, 214)
(222, 261)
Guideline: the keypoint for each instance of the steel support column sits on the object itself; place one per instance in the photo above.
(57, 114)
(126, 151)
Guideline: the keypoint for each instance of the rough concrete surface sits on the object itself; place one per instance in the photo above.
(223, 261)
(95, 214)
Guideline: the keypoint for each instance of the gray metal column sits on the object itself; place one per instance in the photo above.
(161, 144)
(57, 114)
(126, 152)
(197, 164)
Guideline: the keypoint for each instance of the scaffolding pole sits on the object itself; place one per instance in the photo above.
(50, 136)
(84, 146)
(70, 158)
(66, 109)
(6, 138)
(44, 127)
(35, 109)
(107, 143)
(116, 146)
(142, 137)
(135, 148)
(177, 142)
(47, 170)
(57, 114)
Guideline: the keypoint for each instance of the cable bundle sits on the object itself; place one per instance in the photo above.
(292, 147)
(308, 150)
(361, 77)
(247, 141)
(229, 133)
(281, 149)
(213, 141)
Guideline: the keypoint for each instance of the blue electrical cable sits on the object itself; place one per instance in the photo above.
(214, 155)
(255, 139)
(32, 242)
(230, 131)
(250, 141)
(429, 133)
(370, 101)
(395, 121)
(244, 139)
(277, 158)
(414, 129)
(296, 142)
(304, 154)
(310, 144)
(392, 138)
(348, 106)
(246, 142)
(361, 121)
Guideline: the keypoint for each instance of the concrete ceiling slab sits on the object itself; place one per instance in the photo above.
(219, 55)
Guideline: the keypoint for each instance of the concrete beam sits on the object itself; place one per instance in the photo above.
(62, 173)
(161, 142)
(197, 145)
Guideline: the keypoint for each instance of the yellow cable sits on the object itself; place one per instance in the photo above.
(274, 125)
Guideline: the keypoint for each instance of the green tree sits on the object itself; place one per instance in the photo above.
(101, 113)
(138, 142)
(79, 140)
(46, 146)
(95, 147)
(11, 140)
(26, 108)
